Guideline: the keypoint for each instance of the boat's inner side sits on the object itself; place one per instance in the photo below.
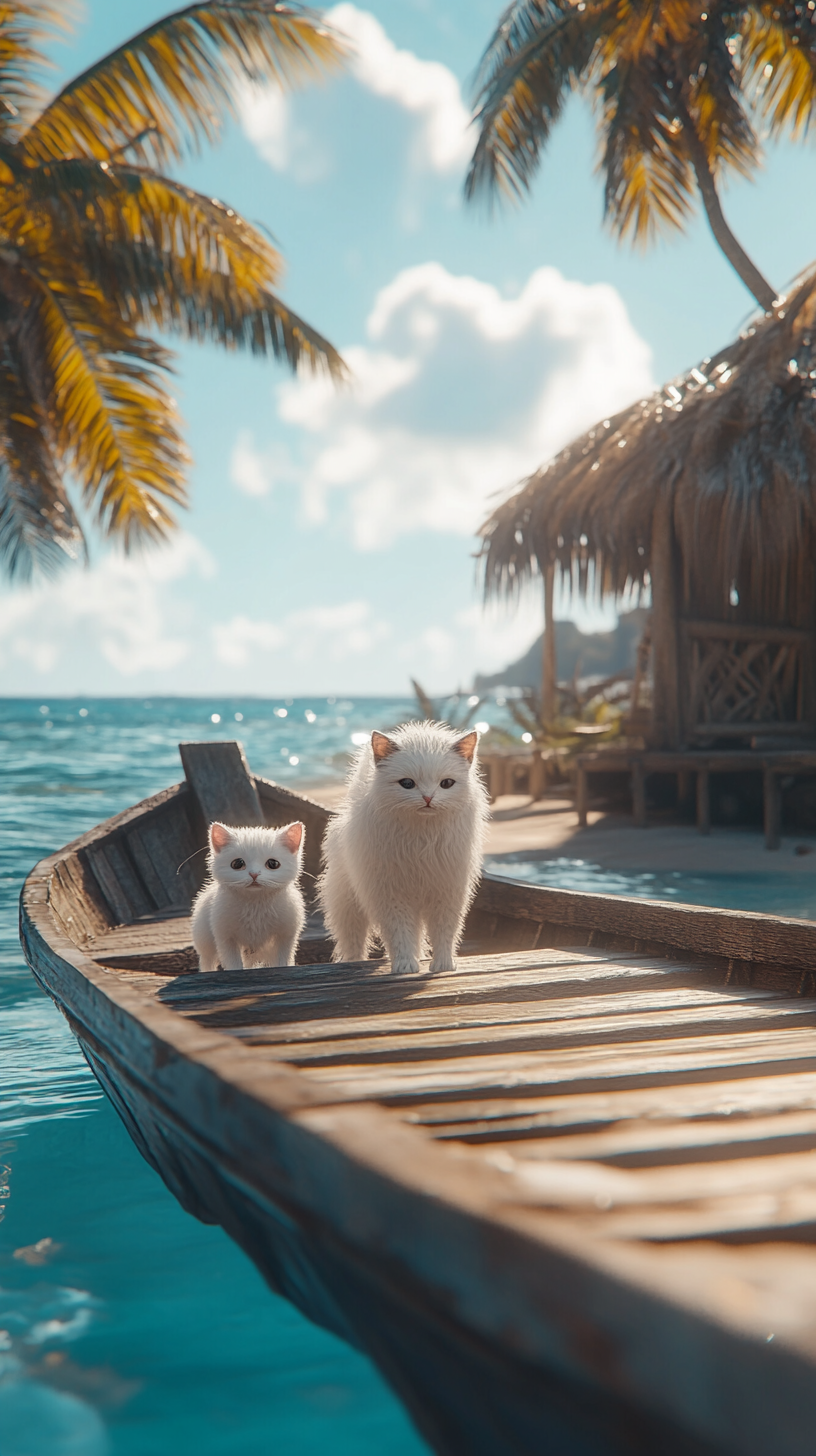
(638, 1093)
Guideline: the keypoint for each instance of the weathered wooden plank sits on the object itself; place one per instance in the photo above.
(633, 1064)
(219, 777)
(118, 879)
(648, 1142)
(75, 897)
(742, 1100)
(602, 1015)
(597, 1034)
(169, 856)
(692, 930)
(593, 1185)
(381, 1002)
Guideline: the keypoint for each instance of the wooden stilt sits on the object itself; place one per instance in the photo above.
(549, 666)
(773, 808)
(703, 801)
(581, 788)
(639, 794)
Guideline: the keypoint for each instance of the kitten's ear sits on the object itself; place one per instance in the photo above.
(382, 746)
(292, 837)
(220, 836)
(467, 745)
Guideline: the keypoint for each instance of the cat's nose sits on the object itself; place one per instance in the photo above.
(253, 874)
(427, 798)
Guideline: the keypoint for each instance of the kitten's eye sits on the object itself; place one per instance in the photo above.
(237, 864)
(273, 864)
(408, 783)
(446, 783)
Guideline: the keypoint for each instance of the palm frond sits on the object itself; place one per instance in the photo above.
(168, 86)
(115, 426)
(649, 180)
(714, 96)
(173, 258)
(38, 528)
(779, 65)
(538, 53)
(24, 31)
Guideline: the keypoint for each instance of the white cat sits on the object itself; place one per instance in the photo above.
(252, 912)
(403, 856)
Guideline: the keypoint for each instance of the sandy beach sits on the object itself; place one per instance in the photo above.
(549, 829)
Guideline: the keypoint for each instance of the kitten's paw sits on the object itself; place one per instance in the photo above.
(441, 962)
(405, 966)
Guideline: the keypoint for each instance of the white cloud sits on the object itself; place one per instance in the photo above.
(463, 394)
(331, 633)
(266, 117)
(255, 472)
(426, 89)
(117, 608)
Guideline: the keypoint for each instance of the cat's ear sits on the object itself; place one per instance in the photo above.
(467, 746)
(382, 746)
(220, 836)
(292, 837)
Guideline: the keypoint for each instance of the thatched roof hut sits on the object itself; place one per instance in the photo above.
(706, 492)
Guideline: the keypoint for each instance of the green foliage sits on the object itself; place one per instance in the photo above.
(98, 248)
(458, 711)
(585, 717)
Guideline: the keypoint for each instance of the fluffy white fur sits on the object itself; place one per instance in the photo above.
(251, 913)
(403, 856)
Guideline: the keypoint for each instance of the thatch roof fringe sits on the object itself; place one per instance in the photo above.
(733, 441)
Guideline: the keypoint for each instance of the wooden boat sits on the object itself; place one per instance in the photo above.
(564, 1197)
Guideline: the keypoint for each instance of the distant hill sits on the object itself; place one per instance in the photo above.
(596, 654)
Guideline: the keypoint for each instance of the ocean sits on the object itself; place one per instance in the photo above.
(126, 1327)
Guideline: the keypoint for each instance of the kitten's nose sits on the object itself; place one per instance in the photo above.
(253, 874)
(427, 798)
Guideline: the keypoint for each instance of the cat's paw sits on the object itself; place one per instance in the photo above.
(446, 962)
(405, 966)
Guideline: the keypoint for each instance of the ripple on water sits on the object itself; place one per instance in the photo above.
(127, 1328)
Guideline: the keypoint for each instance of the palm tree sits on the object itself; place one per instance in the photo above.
(99, 249)
(676, 82)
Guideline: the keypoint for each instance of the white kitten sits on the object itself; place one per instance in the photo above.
(252, 912)
(404, 854)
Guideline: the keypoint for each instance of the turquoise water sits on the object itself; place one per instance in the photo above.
(777, 893)
(137, 1331)
(141, 1332)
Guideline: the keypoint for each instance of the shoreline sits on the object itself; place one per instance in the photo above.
(548, 829)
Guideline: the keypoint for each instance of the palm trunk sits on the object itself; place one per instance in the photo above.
(764, 294)
(549, 669)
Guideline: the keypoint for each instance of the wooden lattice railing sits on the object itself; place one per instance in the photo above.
(744, 674)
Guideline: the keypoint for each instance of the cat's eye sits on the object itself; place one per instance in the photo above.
(446, 783)
(237, 864)
(273, 864)
(408, 783)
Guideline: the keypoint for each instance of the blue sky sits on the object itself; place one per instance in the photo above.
(329, 547)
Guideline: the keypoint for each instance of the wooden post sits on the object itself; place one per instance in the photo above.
(581, 794)
(639, 793)
(666, 719)
(703, 802)
(773, 808)
(549, 666)
(538, 775)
